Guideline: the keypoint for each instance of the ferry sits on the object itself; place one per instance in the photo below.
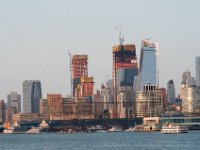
(174, 128)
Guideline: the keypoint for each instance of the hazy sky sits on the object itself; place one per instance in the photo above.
(36, 35)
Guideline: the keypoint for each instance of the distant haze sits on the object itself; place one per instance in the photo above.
(35, 37)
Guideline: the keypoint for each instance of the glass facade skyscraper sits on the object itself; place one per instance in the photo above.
(32, 93)
(149, 64)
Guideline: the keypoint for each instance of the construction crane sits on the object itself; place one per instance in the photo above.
(70, 68)
(121, 38)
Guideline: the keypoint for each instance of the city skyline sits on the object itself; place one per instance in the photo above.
(36, 37)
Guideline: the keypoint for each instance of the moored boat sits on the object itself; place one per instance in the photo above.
(14, 129)
(33, 130)
(115, 129)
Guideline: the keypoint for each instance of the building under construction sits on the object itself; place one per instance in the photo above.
(82, 85)
(79, 68)
(125, 68)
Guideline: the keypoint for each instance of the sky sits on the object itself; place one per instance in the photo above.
(36, 36)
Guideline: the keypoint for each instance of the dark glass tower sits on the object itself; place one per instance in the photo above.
(32, 93)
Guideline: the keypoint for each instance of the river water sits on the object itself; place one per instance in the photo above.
(101, 141)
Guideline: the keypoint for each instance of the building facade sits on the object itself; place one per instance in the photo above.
(171, 96)
(85, 88)
(191, 100)
(14, 100)
(197, 69)
(125, 68)
(149, 102)
(2, 111)
(79, 69)
(55, 104)
(32, 93)
(149, 73)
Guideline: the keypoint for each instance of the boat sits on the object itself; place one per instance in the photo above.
(43, 126)
(33, 130)
(115, 129)
(101, 131)
(94, 128)
(131, 129)
(14, 129)
(174, 128)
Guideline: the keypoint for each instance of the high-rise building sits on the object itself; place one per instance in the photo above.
(14, 100)
(149, 102)
(197, 64)
(125, 68)
(79, 69)
(32, 93)
(171, 96)
(184, 83)
(191, 100)
(186, 75)
(2, 111)
(149, 74)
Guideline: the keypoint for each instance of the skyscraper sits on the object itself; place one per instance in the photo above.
(197, 64)
(186, 75)
(32, 93)
(171, 91)
(125, 68)
(14, 100)
(2, 111)
(79, 69)
(149, 64)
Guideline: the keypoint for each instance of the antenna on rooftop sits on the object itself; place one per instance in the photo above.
(121, 38)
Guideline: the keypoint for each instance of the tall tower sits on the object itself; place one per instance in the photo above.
(149, 74)
(197, 65)
(125, 68)
(14, 100)
(32, 93)
(79, 69)
(2, 111)
(186, 75)
(170, 91)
